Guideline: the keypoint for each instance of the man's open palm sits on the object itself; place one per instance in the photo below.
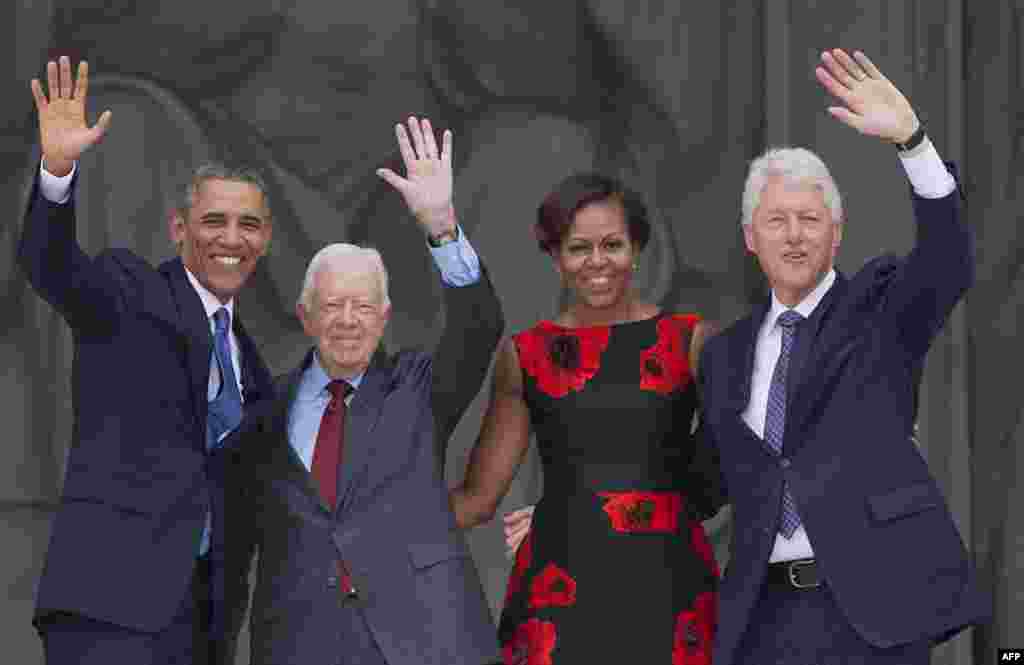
(64, 133)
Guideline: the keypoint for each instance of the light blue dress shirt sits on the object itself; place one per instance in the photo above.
(459, 266)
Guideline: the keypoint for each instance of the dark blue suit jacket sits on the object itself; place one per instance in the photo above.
(878, 523)
(124, 538)
(419, 589)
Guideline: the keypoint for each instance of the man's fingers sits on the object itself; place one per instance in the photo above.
(392, 178)
(52, 80)
(837, 89)
(855, 70)
(37, 94)
(428, 139)
(837, 70)
(867, 65)
(446, 148)
(518, 527)
(514, 540)
(101, 127)
(417, 137)
(82, 83)
(518, 515)
(65, 77)
(847, 117)
(408, 156)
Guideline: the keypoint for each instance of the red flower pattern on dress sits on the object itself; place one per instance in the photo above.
(552, 587)
(695, 631)
(665, 366)
(538, 345)
(523, 557)
(643, 512)
(531, 644)
(701, 545)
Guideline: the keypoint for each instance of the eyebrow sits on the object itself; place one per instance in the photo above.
(616, 235)
(800, 211)
(216, 215)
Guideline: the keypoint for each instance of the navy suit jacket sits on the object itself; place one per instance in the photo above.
(138, 484)
(879, 525)
(419, 589)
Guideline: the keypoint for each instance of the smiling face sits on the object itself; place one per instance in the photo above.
(346, 317)
(226, 231)
(596, 255)
(794, 237)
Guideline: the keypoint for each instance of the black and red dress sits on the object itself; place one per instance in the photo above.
(616, 567)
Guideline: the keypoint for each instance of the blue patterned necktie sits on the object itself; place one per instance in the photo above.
(775, 416)
(225, 410)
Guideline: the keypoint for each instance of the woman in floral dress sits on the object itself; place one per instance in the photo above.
(616, 567)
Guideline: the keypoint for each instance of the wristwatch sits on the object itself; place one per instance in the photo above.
(916, 139)
(443, 238)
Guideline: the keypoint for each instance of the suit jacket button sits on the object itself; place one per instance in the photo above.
(784, 462)
(332, 582)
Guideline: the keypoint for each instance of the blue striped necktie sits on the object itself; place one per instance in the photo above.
(775, 416)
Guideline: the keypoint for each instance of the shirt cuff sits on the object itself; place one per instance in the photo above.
(928, 175)
(457, 261)
(55, 189)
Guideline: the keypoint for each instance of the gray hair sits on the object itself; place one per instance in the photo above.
(344, 257)
(796, 165)
(219, 171)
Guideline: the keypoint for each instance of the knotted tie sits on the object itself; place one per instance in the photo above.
(775, 416)
(224, 411)
(329, 442)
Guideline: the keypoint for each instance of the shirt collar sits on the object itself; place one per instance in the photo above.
(210, 302)
(315, 379)
(806, 306)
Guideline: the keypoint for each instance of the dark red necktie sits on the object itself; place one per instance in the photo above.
(327, 458)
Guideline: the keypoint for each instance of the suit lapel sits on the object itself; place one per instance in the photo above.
(743, 345)
(252, 390)
(292, 466)
(193, 323)
(363, 413)
(807, 360)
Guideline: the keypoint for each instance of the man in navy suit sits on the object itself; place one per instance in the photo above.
(162, 368)
(843, 548)
(337, 483)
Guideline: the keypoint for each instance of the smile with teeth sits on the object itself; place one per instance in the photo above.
(598, 281)
(228, 260)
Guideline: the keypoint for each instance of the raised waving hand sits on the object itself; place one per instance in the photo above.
(63, 131)
(427, 185)
(871, 103)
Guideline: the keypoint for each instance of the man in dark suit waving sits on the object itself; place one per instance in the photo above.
(337, 484)
(843, 549)
(162, 369)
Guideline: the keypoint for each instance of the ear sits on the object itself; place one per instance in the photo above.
(269, 231)
(176, 227)
(837, 237)
(304, 319)
(748, 237)
(554, 262)
(385, 314)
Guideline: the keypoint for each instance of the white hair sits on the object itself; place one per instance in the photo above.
(347, 258)
(794, 165)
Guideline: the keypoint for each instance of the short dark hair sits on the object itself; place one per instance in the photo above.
(219, 171)
(557, 210)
